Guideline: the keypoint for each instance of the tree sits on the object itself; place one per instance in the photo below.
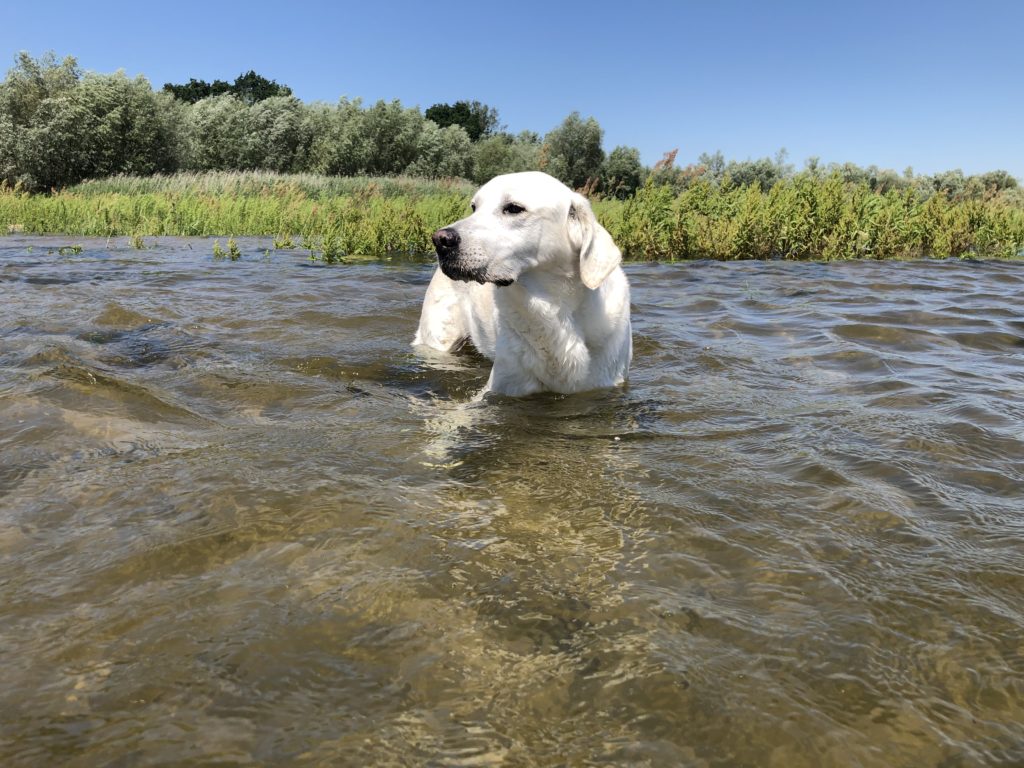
(392, 135)
(504, 153)
(252, 88)
(764, 172)
(249, 87)
(442, 152)
(572, 151)
(714, 165)
(30, 81)
(216, 130)
(8, 156)
(623, 172)
(478, 120)
(106, 124)
(136, 129)
(339, 145)
(277, 135)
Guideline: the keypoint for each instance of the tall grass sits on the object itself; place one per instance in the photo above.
(809, 218)
(801, 218)
(355, 216)
(262, 183)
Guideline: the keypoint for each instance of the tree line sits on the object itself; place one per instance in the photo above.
(59, 126)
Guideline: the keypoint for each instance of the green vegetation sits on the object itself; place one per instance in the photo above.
(248, 87)
(805, 216)
(478, 120)
(372, 216)
(60, 126)
(808, 217)
(106, 155)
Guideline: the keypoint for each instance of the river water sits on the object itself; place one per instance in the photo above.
(241, 521)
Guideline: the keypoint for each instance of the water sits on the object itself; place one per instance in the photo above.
(242, 522)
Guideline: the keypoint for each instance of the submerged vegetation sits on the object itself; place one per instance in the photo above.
(805, 216)
(106, 155)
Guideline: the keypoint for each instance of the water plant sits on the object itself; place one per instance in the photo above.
(284, 242)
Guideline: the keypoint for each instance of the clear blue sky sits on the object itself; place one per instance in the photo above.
(934, 85)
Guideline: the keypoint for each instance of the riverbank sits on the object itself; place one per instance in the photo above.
(802, 218)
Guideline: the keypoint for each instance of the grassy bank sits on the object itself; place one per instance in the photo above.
(801, 218)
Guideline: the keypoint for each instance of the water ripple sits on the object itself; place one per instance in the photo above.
(243, 522)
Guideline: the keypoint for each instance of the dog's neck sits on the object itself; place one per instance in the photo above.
(544, 345)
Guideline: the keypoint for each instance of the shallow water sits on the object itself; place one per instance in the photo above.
(241, 521)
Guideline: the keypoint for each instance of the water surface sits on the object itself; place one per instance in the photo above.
(241, 521)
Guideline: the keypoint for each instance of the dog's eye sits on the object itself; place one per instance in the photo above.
(512, 209)
(472, 207)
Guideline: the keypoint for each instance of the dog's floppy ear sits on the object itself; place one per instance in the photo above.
(598, 253)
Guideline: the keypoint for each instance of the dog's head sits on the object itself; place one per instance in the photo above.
(525, 221)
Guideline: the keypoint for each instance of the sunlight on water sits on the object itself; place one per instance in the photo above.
(241, 521)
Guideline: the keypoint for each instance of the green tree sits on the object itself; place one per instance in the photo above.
(31, 81)
(442, 152)
(252, 88)
(196, 90)
(504, 153)
(340, 145)
(572, 151)
(763, 173)
(107, 124)
(9, 167)
(950, 183)
(277, 135)
(135, 128)
(478, 120)
(623, 172)
(249, 87)
(216, 134)
(714, 166)
(391, 134)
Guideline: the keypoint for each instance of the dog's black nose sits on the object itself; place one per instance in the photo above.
(446, 239)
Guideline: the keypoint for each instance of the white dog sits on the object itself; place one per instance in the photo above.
(534, 282)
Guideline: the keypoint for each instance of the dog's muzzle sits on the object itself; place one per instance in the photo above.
(446, 243)
(446, 240)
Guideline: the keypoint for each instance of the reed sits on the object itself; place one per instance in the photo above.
(337, 218)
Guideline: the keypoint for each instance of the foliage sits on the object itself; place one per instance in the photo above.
(216, 132)
(32, 81)
(622, 173)
(572, 151)
(248, 87)
(505, 153)
(478, 120)
(441, 152)
(58, 127)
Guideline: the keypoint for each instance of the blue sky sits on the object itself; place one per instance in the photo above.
(934, 85)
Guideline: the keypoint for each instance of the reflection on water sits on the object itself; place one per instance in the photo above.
(241, 521)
